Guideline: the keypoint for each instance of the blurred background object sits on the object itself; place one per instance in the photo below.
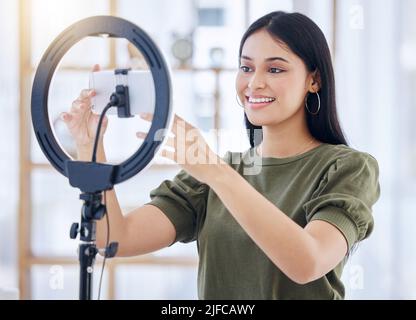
(182, 50)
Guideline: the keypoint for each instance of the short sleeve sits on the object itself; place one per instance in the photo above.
(345, 196)
(183, 200)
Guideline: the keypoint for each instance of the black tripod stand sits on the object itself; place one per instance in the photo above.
(93, 179)
(80, 175)
(92, 210)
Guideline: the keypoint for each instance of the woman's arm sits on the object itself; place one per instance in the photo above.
(303, 254)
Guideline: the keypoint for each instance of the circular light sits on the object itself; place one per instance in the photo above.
(100, 26)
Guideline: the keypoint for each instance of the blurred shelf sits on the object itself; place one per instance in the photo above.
(157, 166)
(145, 259)
(186, 69)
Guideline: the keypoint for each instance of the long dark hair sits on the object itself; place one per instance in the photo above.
(308, 42)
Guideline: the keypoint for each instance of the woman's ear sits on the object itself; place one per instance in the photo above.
(315, 81)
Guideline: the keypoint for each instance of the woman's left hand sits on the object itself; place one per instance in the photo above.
(190, 150)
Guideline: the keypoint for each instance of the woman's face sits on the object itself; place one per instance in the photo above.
(272, 81)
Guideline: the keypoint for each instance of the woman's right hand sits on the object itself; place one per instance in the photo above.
(81, 122)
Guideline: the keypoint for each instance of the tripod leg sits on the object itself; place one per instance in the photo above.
(87, 252)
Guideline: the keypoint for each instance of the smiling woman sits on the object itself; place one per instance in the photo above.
(287, 230)
(287, 54)
(284, 230)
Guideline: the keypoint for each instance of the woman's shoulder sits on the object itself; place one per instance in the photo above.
(347, 159)
(323, 161)
(342, 152)
(325, 154)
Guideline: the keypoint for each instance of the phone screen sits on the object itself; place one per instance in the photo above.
(141, 90)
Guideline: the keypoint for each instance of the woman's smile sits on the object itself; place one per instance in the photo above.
(257, 102)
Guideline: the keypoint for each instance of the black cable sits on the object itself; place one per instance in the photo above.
(97, 134)
(113, 102)
(106, 245)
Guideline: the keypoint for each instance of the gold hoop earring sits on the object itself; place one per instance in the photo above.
(319, 105)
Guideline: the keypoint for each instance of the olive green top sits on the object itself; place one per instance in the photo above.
(334, 183)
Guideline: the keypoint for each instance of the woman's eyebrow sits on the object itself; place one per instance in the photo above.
(267, 59)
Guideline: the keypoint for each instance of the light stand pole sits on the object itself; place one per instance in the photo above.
(92, 210)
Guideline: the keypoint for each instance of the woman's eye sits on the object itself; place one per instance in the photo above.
(275, 70)
(245, 68)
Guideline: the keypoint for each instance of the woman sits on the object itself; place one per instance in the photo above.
(284, 230)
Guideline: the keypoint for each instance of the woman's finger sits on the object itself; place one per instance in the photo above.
(76, 103)
(84, 106)
(178, 118)
(183, 122)
(178, 125)
(141, 135)
(80, 104)
(146, 116)
(168, 154)
(86, 93)
(86, 100)
(79, 108)
(170, 142)
(66, 117)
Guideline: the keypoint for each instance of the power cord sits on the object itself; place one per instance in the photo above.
(114, 101)
(97, 134)
(106, 245)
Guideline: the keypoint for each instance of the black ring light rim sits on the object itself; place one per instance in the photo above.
(115, 27)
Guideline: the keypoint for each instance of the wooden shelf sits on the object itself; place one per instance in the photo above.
(187, 69)
(48, 166)
(145, 259)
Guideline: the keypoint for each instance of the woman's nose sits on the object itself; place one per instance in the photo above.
(256, 81)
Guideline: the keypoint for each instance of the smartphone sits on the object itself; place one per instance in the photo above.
(141, 90)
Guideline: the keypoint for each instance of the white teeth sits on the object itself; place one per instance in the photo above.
(260, 100)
